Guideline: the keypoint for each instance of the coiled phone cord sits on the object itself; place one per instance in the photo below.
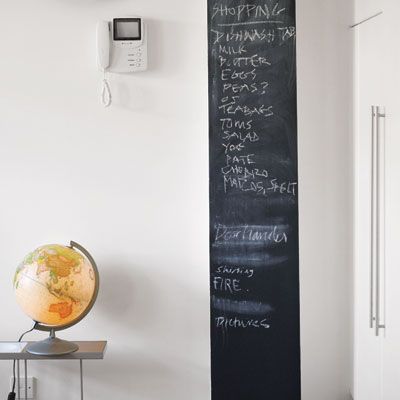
(106, 98)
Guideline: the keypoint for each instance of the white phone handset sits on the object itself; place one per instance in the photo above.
(103, 59)
(103, 44)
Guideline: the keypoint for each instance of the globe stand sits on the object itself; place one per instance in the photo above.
(52, 346)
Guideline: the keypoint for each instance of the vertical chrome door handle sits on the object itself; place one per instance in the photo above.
(373, 215)
(380, 214)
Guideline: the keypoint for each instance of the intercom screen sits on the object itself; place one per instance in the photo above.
(127, 29)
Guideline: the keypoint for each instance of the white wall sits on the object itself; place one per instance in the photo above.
(325, 54)
(130, 183)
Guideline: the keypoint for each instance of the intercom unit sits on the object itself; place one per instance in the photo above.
(121, 48)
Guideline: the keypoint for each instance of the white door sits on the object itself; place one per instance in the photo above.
(390, 76)
(369, 92)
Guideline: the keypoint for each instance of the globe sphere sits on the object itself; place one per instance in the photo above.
(54, 285)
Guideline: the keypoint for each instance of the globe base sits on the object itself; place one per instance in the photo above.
(52, 346)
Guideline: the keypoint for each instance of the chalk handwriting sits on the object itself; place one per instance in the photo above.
(248, 272)
(224, 322)
(248, 233)
(223, 284)
(247, 108)
(246, 11)
(271, 36)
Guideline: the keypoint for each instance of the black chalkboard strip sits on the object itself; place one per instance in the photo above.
(254, 257)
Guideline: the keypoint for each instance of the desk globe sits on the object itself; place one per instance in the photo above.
(56, 286)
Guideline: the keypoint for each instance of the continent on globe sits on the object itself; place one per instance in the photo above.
(63, 309)
(54, 285)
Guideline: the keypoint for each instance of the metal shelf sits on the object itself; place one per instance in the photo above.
(88, 350)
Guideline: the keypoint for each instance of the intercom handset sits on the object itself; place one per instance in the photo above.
(103, 45)
(121, 48)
